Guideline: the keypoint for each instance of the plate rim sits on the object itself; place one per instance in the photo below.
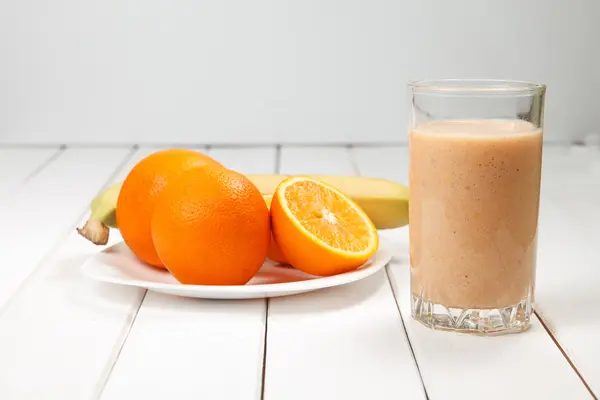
(319, 282)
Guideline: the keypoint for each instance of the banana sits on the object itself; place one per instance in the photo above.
(384, 201)
(103, 215)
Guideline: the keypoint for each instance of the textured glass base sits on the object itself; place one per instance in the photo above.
(498, 321)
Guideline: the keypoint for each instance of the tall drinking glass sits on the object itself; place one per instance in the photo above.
(475, 169)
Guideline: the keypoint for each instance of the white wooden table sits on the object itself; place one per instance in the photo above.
(63, 336)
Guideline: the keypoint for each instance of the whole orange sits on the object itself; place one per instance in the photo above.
(142, 186)
(211, 227)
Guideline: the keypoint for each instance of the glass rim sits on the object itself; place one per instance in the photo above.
(483, 86)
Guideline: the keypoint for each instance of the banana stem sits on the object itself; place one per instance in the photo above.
(95, 231)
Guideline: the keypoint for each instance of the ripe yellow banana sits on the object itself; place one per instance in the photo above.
(384, 201)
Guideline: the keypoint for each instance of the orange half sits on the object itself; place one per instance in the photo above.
(320, 230)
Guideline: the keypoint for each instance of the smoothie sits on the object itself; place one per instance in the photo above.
(475, 189)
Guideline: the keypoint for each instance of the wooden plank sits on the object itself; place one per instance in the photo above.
(527, 365)
(18, 164)
(341, 343)
(58, 332)
(196, 349)
(569, 256)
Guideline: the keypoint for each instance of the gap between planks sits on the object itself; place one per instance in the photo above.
(355, 167)
(118, 348)
(564, 353)
(59, 152)
(105, 376)
(412, 351)
(277, 170)
(114, 357)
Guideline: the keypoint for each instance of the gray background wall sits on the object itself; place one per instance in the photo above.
(266, 71)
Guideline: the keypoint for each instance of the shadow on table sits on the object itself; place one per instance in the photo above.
(96, 294)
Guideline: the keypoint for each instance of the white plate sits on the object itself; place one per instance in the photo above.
(117, 264)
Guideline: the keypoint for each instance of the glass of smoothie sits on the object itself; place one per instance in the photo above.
(475, 170)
